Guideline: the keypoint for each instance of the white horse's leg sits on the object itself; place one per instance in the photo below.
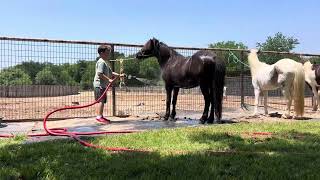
(265, 95)
(287, 94)
(289, 107)
(256, 101)
(318, 99)
(315, 98)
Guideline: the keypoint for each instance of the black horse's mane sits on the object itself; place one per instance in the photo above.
(172, 51)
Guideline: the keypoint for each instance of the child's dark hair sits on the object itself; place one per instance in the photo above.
(102, 48)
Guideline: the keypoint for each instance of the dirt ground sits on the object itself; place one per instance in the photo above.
(142, 122)
(141, 103)
(142, 110)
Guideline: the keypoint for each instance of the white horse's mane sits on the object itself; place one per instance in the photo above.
(254, 62)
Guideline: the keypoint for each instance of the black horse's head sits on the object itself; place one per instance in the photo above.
(150, 49)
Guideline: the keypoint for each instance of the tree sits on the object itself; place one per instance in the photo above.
(61, 75)
(87, 77)
(65, 79)
(14, 76)
(315, 60)
(232, 64)
(131, 67)
(45, 77)
(31, 68)
(78, 70)
(279, 43)
(150, 69)
(118, 55)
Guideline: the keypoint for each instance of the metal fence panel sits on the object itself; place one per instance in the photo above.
(127, 100)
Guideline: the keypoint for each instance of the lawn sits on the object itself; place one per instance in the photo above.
(226, 151)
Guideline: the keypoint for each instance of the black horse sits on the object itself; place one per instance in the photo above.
(203, 68)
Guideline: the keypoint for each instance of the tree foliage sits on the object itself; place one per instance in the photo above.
(150, 69)
(31, 68)
(233, 66)
(14, 76)
(278, 42)
(131, 67)
(315, 60)
(45, 77)
(88, 75)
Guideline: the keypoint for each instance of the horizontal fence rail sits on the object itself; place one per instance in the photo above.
(39, 75)
(15, 91)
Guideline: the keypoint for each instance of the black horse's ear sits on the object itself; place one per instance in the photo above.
(154, 39)
(155, 42)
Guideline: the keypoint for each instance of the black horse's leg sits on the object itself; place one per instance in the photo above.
(206, 96)
(174, 102)
(168, 101)
(211, 116)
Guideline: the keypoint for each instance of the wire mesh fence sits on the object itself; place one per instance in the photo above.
(39, 75)
(41, 64)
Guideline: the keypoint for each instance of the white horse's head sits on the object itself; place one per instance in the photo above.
(305, 62)
(253, 56)
(254, 51)
(307, 66)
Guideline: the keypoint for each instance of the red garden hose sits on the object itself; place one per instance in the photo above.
(75, 135)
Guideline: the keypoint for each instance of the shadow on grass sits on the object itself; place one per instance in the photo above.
(65, 159)
(284, 142)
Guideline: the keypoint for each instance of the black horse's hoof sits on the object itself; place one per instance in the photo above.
(166, 117)
(210, 121)
(172, 119)
(173, 115)
(219, 122)
(202, 121)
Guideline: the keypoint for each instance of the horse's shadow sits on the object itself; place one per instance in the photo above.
(192, 119)
(222, 121)
(277, 115)
(274, 114)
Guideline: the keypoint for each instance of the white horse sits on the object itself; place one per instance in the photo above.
(286, 74)
(311, 72)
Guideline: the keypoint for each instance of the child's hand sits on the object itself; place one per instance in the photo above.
(122, 75)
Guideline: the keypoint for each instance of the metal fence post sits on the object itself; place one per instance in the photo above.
(113, 87)
(241, 81)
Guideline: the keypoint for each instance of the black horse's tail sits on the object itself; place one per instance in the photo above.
(218, 86)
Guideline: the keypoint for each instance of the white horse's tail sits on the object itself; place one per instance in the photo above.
(298, 90)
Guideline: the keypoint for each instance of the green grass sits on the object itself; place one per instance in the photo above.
(206, 152)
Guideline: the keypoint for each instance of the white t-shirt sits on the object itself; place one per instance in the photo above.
(104, 68)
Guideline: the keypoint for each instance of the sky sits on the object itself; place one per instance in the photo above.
(190, 23)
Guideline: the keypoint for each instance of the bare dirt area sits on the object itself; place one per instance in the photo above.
(144, 121)
(273, 116)
(140, 103)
